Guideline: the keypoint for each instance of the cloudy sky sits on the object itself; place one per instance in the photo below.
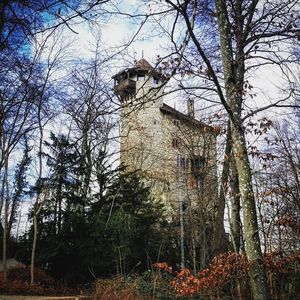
(114, 32)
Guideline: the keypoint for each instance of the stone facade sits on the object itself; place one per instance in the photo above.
(173, 151)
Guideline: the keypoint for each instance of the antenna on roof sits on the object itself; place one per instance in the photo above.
(142, 53)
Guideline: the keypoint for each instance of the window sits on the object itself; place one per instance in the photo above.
(182, 163)
(175, 143)
(141, 77)
(155, 80)
(197, 165)
(196, 179)
(176, 123)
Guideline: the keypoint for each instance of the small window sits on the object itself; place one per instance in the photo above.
(197, 165)
(175, 143)
(155, 80)
(186, 164)
(176, 123)
(196, 180)
(140, 77)
(182, 162)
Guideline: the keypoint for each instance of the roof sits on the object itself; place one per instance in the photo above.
(143, 64)
(166, 109)
(139, 65)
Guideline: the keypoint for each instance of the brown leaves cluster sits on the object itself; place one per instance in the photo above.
(117, 288)
(288, 221)
(278, 263)
(225, 268)
(163, 266)
(18, 282)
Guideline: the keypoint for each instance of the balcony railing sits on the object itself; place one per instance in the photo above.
(125, 86)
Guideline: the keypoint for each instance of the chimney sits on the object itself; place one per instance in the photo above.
(190, 108)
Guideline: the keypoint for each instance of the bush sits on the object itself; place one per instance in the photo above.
(18, 283)
(156, 284)
(228, 275)
(23, 274)
(117, 288)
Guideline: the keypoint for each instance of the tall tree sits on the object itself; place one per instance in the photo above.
(22, 89)
(243, 35)
(91, 112)
(110, 233)
(278, 190)
(23, 95)
(20, 185)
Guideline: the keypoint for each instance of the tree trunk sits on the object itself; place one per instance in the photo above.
(235, 220)
(37, 209)
(6, 208)
(234, 71)
(219, 244)
(38, 206)
(87, 162)
(257, 271)
(33, 250)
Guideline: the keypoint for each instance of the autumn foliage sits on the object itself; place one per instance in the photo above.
(276, 262)
(227, 275)
(18, 282)
(229, 268)
(117, 289)
(223, 269)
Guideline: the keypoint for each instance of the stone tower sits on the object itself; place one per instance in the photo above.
(174, 152)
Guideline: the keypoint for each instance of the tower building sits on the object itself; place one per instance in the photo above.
(174, 152)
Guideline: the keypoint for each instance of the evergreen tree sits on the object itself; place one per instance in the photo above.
(115, 229)
(133, 221)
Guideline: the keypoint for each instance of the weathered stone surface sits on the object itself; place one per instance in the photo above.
(176, 156)
(163, 143)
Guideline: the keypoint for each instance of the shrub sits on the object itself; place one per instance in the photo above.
(228, 275)
(117, 288)
(18, 283)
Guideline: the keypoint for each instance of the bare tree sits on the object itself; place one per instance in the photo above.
(244, 36)
(91, 112)
(20, 20)
(278, 190)
(19, 95)
(28, 85)
(26, 82)
(46, 109)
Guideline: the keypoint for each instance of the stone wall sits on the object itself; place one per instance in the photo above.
(148, 144)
